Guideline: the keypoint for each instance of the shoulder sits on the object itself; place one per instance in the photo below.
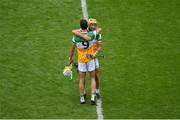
(99, 37)
(77, 39)
(91, 33)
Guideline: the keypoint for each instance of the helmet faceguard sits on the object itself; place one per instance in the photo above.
(92, 24)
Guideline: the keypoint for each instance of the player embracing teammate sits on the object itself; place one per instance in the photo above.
(87, 40)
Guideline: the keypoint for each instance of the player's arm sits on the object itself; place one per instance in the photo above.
(99, 47)
(71, 53)
(78, 33)
(98, 30)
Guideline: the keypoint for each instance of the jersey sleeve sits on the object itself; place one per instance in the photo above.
(98, 37)
(92, 34)
(73, 39)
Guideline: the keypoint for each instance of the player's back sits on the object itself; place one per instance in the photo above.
(85, 47)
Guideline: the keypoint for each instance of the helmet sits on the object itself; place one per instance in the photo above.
(92, 24)
(92, 21)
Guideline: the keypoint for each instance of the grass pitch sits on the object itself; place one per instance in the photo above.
(139, 75)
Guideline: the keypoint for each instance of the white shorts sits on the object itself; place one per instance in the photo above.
(88, 66)
(96, 63)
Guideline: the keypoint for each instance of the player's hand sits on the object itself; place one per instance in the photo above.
(91, 56)
(88, 56)
(86, 37)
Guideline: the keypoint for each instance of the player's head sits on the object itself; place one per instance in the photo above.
(83, 24)
(92, 24)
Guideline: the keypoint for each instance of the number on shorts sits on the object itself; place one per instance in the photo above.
(85, 44)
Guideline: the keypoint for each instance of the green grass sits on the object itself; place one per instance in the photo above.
(139, 75)
(34, 45)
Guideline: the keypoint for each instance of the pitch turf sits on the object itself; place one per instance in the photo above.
(139, 75)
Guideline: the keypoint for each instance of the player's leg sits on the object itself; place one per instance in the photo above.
(93, 87)
(82, 73)
(81, 86)
(81, 82)
(76, 66)
(97, 83)
(85, 89)
(97, 78)
(91, 69)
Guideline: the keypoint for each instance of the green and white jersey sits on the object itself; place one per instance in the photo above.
(92, 34)
(98, 37)
(85, 47)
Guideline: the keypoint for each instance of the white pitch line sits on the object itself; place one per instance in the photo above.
(99, 109)
(99, 101)
(84, 9)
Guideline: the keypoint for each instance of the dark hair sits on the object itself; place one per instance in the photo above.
(83, 24)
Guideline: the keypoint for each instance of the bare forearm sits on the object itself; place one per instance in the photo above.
(98, 30)
(71, 54)
(99, 44)
(78, 33)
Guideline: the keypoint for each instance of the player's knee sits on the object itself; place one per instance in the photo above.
(97, 75)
